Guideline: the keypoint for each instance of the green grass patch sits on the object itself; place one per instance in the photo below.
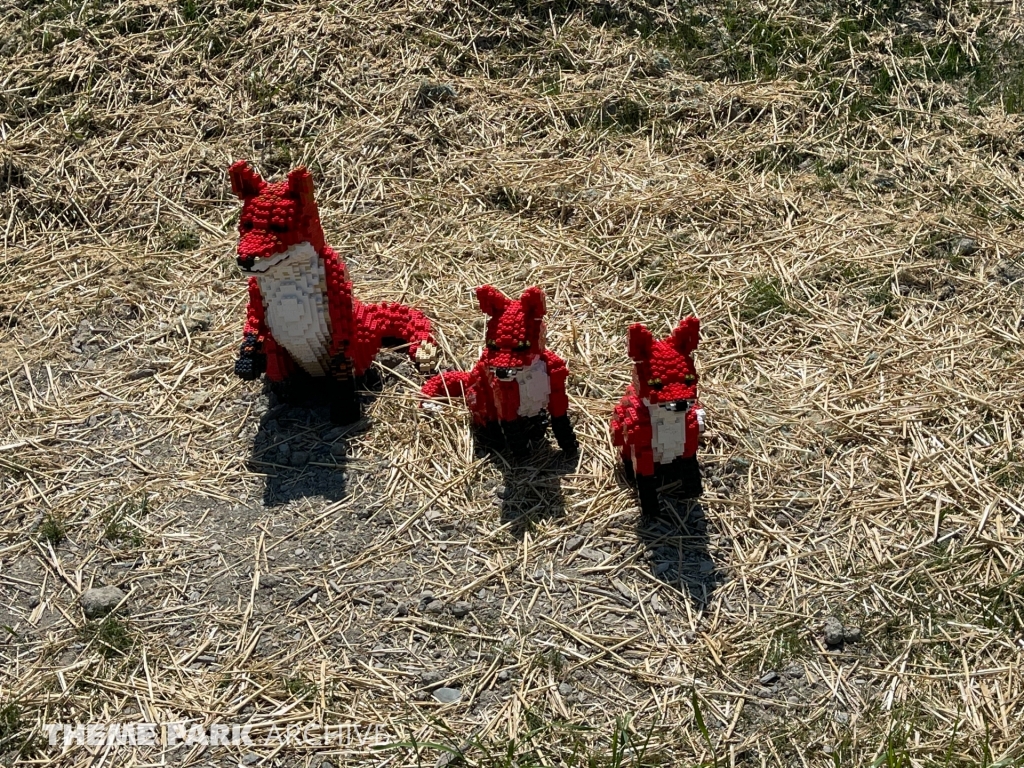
(52, 529)
(764, 296)
(111, 636)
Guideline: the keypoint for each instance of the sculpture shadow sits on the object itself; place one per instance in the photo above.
(531, 488)
(677, 545)
(297, 448)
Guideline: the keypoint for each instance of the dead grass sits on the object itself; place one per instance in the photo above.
(791, 174)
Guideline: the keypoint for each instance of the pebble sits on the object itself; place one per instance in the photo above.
(250, 758)
(769, 677)
(299, 458)
(833, 631)
(426, 595)
(430, 677)
(447, 695)
(284, 450)
(99, 601)
(794, 671)
(594, 554)
(434, 606)
(842, 718)
(461, 609)
(270, 580)
(33, 602)
(966, 246)
(402, 609)
(574, 543)
(565, 689)
(503, 675)
(851, 634)
(706, 566)
(338, 449)
(657, 605)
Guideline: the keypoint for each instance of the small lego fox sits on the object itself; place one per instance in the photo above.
(657, 424)
(301, 314)
(517, 382)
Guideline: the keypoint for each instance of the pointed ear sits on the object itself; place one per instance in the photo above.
(492, 301)
(300, 183)
(639, 343)
(245, 182)
(533, 302)
(686, 335)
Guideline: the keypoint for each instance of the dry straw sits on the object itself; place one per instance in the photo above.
(861, 366)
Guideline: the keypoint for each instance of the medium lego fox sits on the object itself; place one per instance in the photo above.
(657, 424)
(517, 382)
(301, 314)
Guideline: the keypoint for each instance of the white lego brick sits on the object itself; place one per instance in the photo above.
(668, 433)
(534, 388)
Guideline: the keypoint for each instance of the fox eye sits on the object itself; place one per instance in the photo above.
(525, 344)
(689, 378)
(491, 344)
(654, 383)
(278, 228)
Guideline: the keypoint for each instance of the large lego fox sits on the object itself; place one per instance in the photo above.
(657, 424)
(302, 317)
(517, 382)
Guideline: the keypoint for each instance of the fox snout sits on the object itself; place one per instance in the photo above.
(681, 406)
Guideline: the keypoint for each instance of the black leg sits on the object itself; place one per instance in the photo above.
(344, 402)
(647, 488)
(689, 477)
(564, 435)
(516, 437)
(627, 470)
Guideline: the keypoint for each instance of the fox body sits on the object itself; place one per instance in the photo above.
(301, 313)
(517, 382)
(657, 424)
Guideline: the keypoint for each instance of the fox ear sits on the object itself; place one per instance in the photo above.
(533, 302)
(686, 335)
(639, 343)
(245, 182)
(300, 182)
(492, 301)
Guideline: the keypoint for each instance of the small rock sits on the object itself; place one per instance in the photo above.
(270, 580)
(250, 758)
(434, 606)
(433, 93)
(594, 554)
(564, 689)
(842, 718)
(99, 601)
(662, 567)
(284, 451)
(781, 520)
(794, 671)
(706, 566)
(833, 632)
(503, 675)
(300, 552)
(764, 693)
(402, 609)
(851, 634)
(426, 596)
(461, 609)
(768, 678)
(33, 602)
(378, 594)
(430, 677)
(965, 246)
(447, 695)
(574, 543)
(299, 458)
(657, 605)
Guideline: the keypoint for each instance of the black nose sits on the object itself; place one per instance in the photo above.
(679, 405)
(501, 373)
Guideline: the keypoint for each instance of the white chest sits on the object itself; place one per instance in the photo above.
(668, 433)
(534, 388)
(295, 306)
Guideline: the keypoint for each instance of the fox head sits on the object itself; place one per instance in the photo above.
(664, 373)
(515, 331)
(274, 217)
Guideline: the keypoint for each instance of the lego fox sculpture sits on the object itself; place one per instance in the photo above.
(657, 424)
(302, 317)
(517, 382)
